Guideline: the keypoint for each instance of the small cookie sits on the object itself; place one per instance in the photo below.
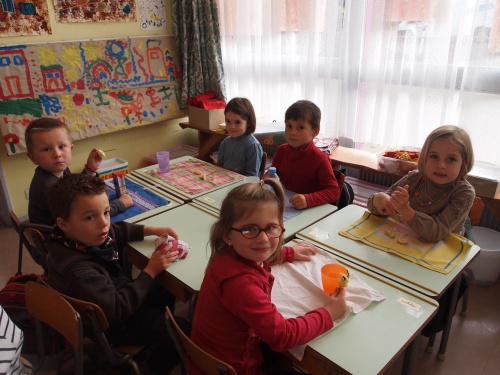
(101, 153)
(402, 240)
(344, 280)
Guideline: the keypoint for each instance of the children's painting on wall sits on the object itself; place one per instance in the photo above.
(94, 11)
(20, 17)
(153, 14)
(95, 87)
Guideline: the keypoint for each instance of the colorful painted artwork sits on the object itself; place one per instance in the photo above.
(95, 87)
(152, 13)
(94, 11)
(21, 17)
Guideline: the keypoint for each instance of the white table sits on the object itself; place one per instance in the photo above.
(307, 217)
(430, 283)
(192, 224)
(368, 342)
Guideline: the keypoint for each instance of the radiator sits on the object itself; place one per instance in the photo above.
(377, 178)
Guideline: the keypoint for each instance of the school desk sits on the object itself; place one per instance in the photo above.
(148, 200)
(324, 234)
(192, 223)
(300, 219)
(189, 177)
(369, 341)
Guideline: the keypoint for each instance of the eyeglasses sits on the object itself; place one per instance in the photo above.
(251, 231)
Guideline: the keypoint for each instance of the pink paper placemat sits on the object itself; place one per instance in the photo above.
(195, 176)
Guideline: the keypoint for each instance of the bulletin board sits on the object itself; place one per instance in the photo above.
(94, 86)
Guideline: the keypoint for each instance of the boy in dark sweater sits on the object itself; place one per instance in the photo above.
(87, 260)
(50, 148)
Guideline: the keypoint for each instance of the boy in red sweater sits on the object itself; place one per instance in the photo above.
(301, 166)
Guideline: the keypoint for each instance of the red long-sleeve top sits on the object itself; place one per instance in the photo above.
(307, 171)
(234, 312)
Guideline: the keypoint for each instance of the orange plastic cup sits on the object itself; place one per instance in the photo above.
(330, 276)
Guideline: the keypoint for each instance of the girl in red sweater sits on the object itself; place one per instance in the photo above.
(234, 312)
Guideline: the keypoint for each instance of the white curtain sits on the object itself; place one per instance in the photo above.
(383, 72)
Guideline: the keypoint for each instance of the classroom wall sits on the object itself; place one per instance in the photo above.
(132, 145)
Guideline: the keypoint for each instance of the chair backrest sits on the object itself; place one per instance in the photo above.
(82, 307)
(346, 191)
(476, 211)
(14, 220)
(49, 307)
(37, 245)
(204, 361)
(92, 316)
(32, 244)
(262, 168)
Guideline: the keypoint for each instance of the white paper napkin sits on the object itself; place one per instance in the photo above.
(297, 290)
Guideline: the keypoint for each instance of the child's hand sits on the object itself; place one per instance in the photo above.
(159, 231)
(94, 159)
(298, 201)
(382, 203)
(126, 200)
(303, 251)
(336, 304)
(160, 260)
(400, 198)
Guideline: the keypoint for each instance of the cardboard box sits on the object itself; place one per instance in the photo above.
(109, 166)
(206, 119)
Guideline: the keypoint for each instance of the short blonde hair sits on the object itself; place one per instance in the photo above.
(459, 137)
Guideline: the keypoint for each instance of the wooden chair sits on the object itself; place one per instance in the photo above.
(32, 244)
(204, 361)
(49, 307)
(262, 169)
(93, 317)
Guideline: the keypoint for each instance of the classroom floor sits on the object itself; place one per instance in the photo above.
(473, 346)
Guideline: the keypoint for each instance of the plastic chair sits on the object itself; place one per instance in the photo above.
(49, 307)
(34, 247)
(92, 316)
(204, 361)
(262, 169)
(346, 191)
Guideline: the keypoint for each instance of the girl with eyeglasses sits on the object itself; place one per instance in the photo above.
(234, 319)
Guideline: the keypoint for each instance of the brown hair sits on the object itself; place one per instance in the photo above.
(42, 124)
(243, 107)
(459, 137)
(68, 188)
(304, 110)
(241, 200)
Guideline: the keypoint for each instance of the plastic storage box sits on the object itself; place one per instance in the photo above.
(108, 166)
(400, 165)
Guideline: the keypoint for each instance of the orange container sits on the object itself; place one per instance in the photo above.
(331, 275)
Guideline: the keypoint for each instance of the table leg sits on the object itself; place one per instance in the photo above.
(410, 356)
(449, 317)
